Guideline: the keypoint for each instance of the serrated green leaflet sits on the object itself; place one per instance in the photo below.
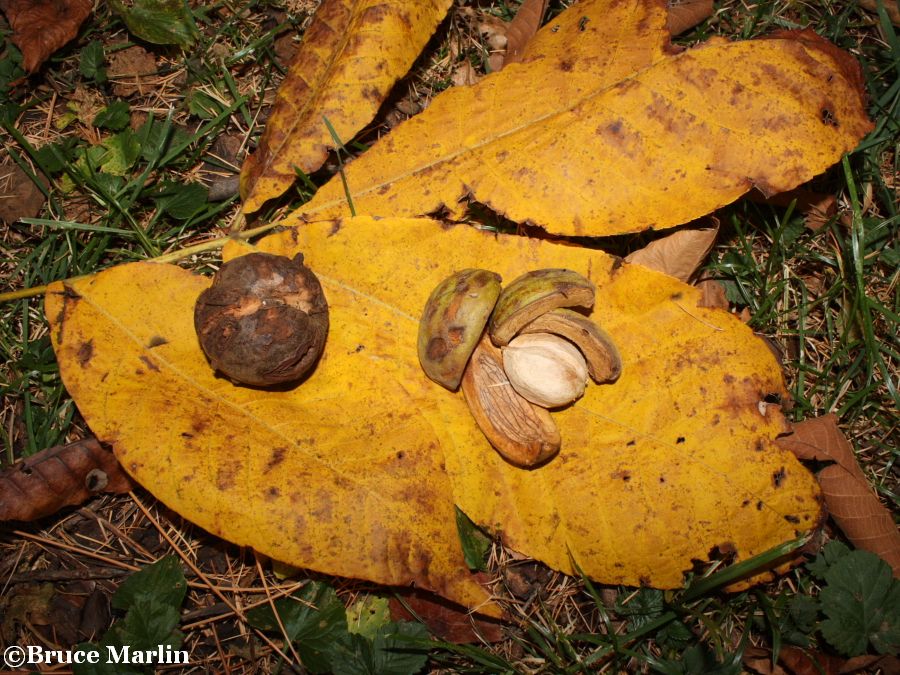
(367, 615)
(397, 649)
(115, 116)
(862, 603)
(163, 581)
(162, 22)
(474, 542)
(313, 619)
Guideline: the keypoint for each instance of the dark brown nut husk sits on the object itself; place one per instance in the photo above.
(535, 293)
(452, 323)
(264, 320)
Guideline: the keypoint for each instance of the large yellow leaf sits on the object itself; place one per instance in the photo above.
(351, 55)
(605, 128)
(356, 471)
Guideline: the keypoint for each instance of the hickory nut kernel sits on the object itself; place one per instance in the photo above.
(545, 369)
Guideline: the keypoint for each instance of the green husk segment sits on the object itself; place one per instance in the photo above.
(536, 293)
(600, 352)
(453, 321)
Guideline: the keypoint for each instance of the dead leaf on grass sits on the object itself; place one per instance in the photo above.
(356, 472)
(40, 27)
(605, 128)
(713, 294)
(64, 475)
(20, 197)
(522, 28)
(685, 14)
(350, 57)
(678, 254)
(130, 69)
(850, 499)
(444, 619)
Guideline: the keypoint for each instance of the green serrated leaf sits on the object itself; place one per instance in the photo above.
(115, 116)
(475, 543)
(833, 551)
(182, 200)
(163, 582)
(397, 649)
(367, 615)
(122, 151)
(161, 22)
(862, 604)
(313, 618)
(642, 607)
(93, 61)
(148, 625)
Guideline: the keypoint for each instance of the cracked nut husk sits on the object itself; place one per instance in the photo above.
(264, 320)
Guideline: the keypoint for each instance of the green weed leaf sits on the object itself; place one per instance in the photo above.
(162, 582)
(395, 650)
(115, 116)
(475, 543)
(829, 555)
(367, 615)
(313, 619)
(862, 603)
(161, 22)
(181, 200)
(93, 61)
(122, 150)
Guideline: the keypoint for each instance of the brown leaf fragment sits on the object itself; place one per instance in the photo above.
(713, 294)
(893, 11)
(20, 197)
(129, 70)
(818, 207)
(890, 665)
(522, 28)
(850, 499)
(678, 254)
(446, 620)
(797, 661)
(64, 475)
(40, 27)
(686, 14)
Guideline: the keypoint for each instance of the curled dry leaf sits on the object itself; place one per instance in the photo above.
(606, 128)
(350, 57)
(40, 27)
(445, 620)
(64, 475)
(522, 28)
(685, 14)
(357, 472)
(678, 254)
(851, 502)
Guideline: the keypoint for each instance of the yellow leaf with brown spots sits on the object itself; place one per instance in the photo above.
(351, 55)
(356, 471)
(606, 128)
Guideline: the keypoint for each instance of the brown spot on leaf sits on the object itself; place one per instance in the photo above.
(157, 341)
(276, 458)
(778, 477)
(85, 353)
(147, 362)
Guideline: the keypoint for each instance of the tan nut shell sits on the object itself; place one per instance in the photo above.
(603, 360)
(525, 434)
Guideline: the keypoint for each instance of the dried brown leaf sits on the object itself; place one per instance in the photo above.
(679, 254)
(818, 207)
(713, 294)
(522, 28)
(890, 7)
(129, 70)
(64, 475)
(20, 197)
(688, 13)
(446, 620)
(852, 503)
(40, 27)
(797, 661)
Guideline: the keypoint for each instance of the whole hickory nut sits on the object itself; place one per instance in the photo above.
(264, 319)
